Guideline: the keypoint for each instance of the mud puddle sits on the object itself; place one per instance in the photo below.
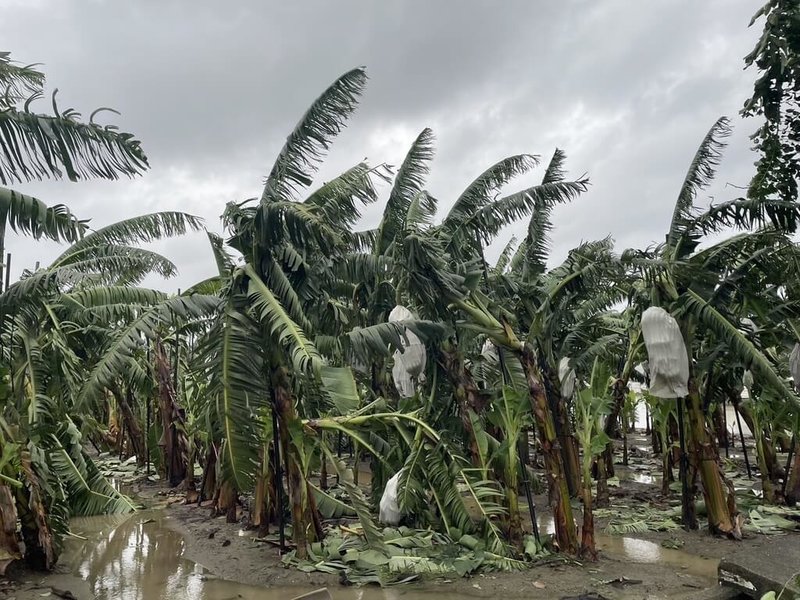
(640, 551)
(140, 556)
(135, 557)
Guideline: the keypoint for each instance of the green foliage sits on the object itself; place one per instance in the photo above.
(306, 145)
(593, 403)
(87, 492)
(638, 519)
(700, 174)
(233, 361)
(19, 81)
(35, 146)
(295, 322)
(30, 216)
(481, 191)
(408, 555)
(775, 99)
(407, 186)
(774, 519)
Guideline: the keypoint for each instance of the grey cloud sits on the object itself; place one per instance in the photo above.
(628, 89)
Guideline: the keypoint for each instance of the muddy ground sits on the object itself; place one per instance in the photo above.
(641, 564)
(236, 557)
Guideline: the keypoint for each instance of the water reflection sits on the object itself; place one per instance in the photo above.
(137, 557)
(132, 557)
(628, 474)
(641, 551)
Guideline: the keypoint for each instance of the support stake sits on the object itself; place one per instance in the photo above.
(684, 470)
(741, 436)
(725, 425)
(788, 469)
(276, 455)
(529, 497)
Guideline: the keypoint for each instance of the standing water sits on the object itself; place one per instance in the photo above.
(635, 550)
(138, 557)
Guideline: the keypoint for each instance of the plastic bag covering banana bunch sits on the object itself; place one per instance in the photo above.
(408, 365)
(489, 362)
(666, 352)
(566, 375)
(747, 380)
(489, 351)
(389, 513)
(794, 366)
(748, 326)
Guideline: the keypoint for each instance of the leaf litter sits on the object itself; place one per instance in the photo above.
(405, 555)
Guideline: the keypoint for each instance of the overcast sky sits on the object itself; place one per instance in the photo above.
(627, 88)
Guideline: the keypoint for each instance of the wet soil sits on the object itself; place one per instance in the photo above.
(174, 550)
(177, 551)
(661, 573)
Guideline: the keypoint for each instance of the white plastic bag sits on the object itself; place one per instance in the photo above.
(409, 364)
(747, 381)
(567, 377)
(794, 366)
(389, 510)
(489, 351)
(666, 354)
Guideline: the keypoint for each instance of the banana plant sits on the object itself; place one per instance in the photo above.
(47, 475)
(594, 404)
(512, 415)
(695, 283)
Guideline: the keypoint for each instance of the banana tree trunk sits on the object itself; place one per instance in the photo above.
(467, 395)
(226, 501)
(302, 519)
(511, 476)
(674, 434)
(719, 426)
(41, 549)
(720, 506)
(766, 455)
(471, 404)
(588, 550)
(564, 433)
(265, 494)
(603, 497)
(209, 483)
(612, 426)
(323, 463)
(131, 424)
(9, 543)
(189, 482)
(774, 469)
(667, 476)
(793, 481)
(514, 519)
(566, 535)
(173, 442)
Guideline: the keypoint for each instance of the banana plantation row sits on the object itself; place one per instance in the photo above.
(401, 343)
